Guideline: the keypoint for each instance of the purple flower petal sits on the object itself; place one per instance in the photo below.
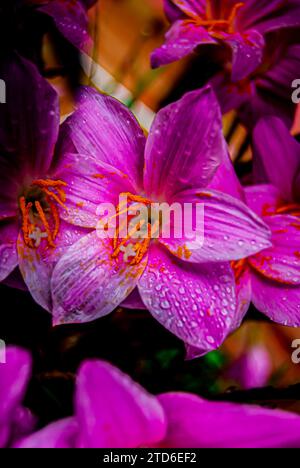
(262, 199)
(60, 434)
(193, 422)
(243, 296)
(278, 154)
(195, 302)
(37, 265)
(24, 423)
(105, 129)
(14, 377)
(175, 9)
(273, 95)
(10, 183)
(71, 20)
(181, 40)
(247, 53)
(278, 301)
(193, 353)
(172, 12)
(296, 193)
(8, 248)
(267, 15)
(15, 280)
(185, 145)
(226, 180)
(254, 13)
(88, 283)
(90, 182)
(134, 301)
(29, 122)
(231, 230)
(268, 94)
(115, 412)
(230, 95)
(281, 262)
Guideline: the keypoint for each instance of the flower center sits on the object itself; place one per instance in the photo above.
(39, 210)
(138, 233)
(215, 26)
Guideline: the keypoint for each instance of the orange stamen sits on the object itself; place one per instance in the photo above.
(49, 183)
(238, 269)
(232, 16)
(57, 195)
(55, 215)
(62, 194)
(210, 23)
(55, 184)
(43, 218)
(137, 198)
(291, 208)
(118, 213)
(25, 225)
(133, 198)
(123, 242)
(209, 11)
(142, 248)
(187, 252)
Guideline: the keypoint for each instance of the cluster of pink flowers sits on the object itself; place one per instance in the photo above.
(54, 177)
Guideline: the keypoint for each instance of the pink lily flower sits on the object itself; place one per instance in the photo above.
(267, 91)
(187, 286)
(32, 233)
(275, 276)
(257, 47)
(112, 411)
(241, 26)
(271, 278)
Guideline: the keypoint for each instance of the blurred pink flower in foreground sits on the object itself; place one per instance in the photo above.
(112, 411)
(15, 420)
